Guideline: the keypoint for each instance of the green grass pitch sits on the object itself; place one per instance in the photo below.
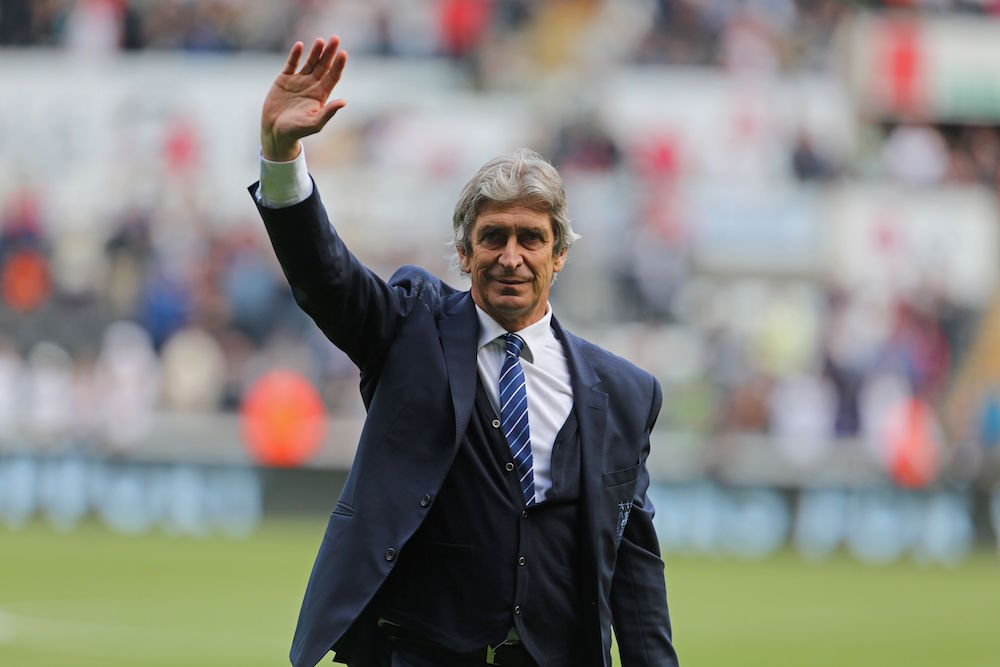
(92, 598)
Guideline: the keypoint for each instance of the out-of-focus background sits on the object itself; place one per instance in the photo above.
(789, 215)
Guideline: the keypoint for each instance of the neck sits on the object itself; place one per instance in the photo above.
(513, 321)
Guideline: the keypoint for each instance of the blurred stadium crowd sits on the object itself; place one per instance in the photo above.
(787, 33)
(136, 314)
(665, 31)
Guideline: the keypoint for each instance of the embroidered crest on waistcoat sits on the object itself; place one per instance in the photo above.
(623, 511)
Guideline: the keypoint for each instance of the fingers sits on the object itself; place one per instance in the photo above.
(293, 58)
(321, 56)
(313, 57)
(332, 75)
(325, 58)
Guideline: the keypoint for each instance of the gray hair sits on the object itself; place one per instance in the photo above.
(519, 178)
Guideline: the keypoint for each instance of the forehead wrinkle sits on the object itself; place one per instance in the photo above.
(531, 203)
(499, 219)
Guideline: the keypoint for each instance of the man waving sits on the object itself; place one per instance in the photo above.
(496, 509)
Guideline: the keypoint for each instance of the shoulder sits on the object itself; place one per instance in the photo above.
(416, 282)
(611, 368)
(634, 395)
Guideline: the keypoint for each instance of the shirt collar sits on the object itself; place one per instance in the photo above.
(534, 335)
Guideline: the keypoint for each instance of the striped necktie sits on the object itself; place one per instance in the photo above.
(514, 414)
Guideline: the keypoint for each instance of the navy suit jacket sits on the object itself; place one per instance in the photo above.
(414, 339)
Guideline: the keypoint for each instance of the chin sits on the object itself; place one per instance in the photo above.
(509, 306)
(508, 296)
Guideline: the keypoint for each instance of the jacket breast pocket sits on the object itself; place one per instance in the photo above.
(619, 477)
(620, 486)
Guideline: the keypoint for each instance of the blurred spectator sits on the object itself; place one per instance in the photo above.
(255, 296)
(11, 391)
(211, 25)
(989, 421)
(808, 163)
(583, 143)
(851, 341)
(915, 155)
(918, 350)
(750, 42)
(48, 392)
(165, 305)
(128, 253)
(128, 381)
(94, 27)
(86, 403)
(655, 267)
(749, 409)
(193, 372)
(21, 221)
(78, 264)
(982, 145)
(557, 30)
(462, 24)
(681, 34)
(881, 393)
(801, 417)
(24, 280)
(787, 331)
(912, 443)
(16, 22)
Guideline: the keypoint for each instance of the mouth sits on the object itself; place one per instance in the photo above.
(510, 281)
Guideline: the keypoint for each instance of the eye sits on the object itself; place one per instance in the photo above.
(491, 238)
(531, 239)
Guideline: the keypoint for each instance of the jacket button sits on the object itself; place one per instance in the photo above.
(390, 554)
(517, 609)
(524, 514)
(521, 560)
(509, 466)
(496, 423)
(425, 501)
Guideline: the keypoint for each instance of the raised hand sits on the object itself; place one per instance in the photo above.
(296, 106)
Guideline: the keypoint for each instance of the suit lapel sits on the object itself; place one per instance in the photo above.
(591, 406)
(459, 332)
(590, 403)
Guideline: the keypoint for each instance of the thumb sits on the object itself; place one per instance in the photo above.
(330, 109)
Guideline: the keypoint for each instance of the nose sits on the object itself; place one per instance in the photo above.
(510, 257)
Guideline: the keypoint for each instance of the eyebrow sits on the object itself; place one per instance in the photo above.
(487, 227)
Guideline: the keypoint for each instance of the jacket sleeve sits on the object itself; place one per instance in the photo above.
(355, 308)
(638, 592)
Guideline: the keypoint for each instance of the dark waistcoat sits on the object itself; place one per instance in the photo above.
(482, 562)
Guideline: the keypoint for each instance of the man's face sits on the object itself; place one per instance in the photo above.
(512, 264)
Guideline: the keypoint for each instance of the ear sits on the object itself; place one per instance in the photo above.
(560, 259)
(464, 260)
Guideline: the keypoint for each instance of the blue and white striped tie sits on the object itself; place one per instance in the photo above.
(514, 414)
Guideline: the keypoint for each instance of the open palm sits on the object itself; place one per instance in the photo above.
(296, 106)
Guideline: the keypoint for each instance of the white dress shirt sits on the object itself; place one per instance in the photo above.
(284, 184)
(546, 377)
(546, 372)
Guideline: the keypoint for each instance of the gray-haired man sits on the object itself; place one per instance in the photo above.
(496, 510)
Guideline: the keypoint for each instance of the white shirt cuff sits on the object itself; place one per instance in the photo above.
(284, 184)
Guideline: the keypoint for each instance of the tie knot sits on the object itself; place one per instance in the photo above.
(514, 344)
